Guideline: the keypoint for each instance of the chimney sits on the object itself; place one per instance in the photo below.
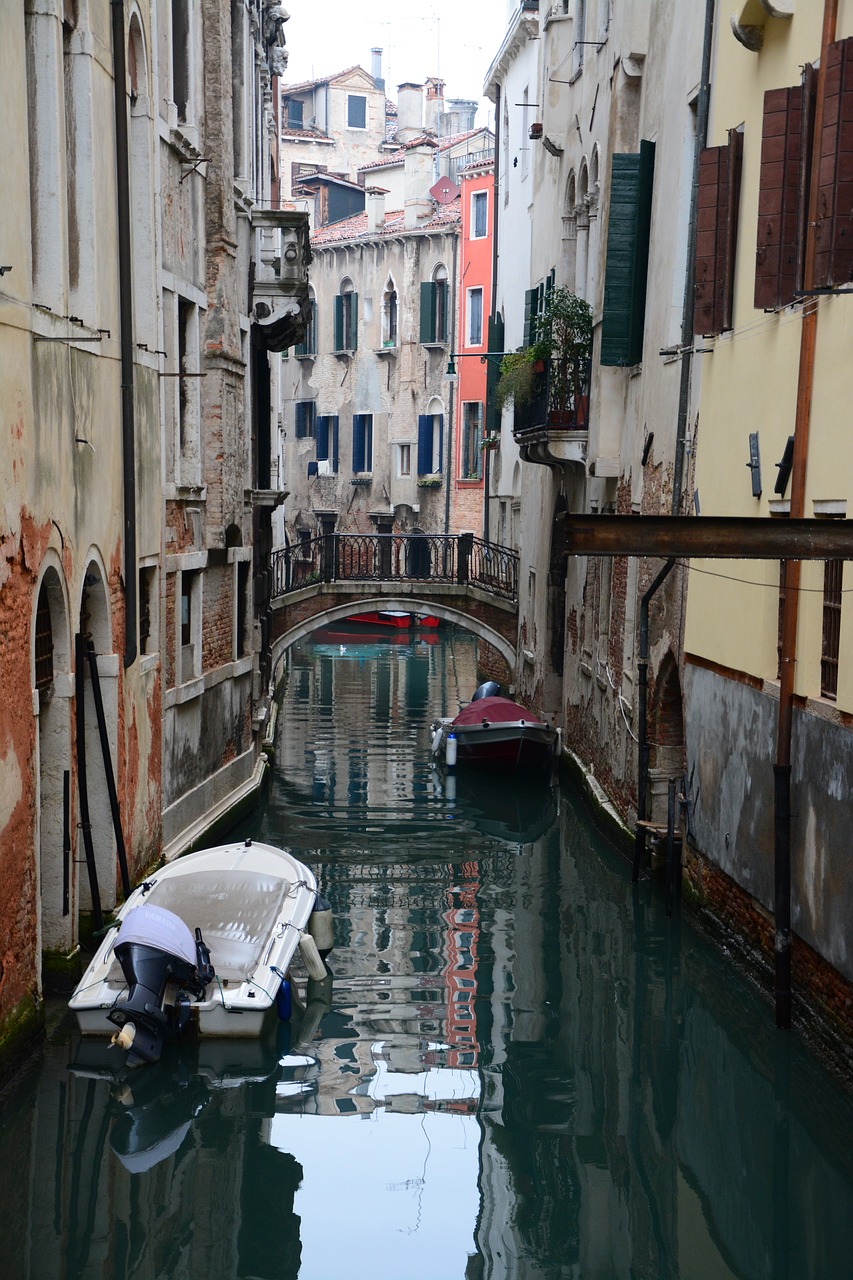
(376, 68)
(375, 205)
(434, 106)
(418, 178)
(410, 111)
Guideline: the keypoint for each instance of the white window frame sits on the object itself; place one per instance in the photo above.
(479, 199)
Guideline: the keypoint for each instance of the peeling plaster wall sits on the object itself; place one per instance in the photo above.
(731, 738)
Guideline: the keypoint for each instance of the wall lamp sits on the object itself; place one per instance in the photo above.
(450, 373)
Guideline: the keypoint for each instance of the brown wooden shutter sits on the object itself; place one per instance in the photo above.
(834, 223)
(716, 235)
(779, 189)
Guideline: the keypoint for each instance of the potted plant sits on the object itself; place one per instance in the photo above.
(567, 322)
(520, 372)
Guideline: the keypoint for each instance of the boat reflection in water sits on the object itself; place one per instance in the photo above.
(516, 813)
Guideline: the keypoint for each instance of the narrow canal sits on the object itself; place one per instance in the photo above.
(518, 1068)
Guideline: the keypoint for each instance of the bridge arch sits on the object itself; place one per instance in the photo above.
(292, 633)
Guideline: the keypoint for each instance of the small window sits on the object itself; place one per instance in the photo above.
(190, 625)
(404, 460)
(389, 315)
(479, 215)
(475, 318)
(148, 609)
(327, 444)
(831, 645)
(308, 345)
(306, 413)
(362, 443)
(356, 111)
(293, 113)
(471, 459)
(181, 58)
(430, 443)
(435, 308)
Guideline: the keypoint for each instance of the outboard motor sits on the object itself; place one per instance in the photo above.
(155, 947)
(490, 689)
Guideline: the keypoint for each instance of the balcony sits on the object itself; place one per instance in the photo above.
(552, 425)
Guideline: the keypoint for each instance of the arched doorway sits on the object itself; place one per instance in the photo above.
(53, 685)
(666, 736)
(91, 766)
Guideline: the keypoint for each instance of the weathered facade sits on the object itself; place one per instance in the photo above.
(133, 365)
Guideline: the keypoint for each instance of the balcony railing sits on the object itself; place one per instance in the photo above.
(460, 559)
(560, 400)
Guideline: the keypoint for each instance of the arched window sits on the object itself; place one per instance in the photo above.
(346, 317)
(435, 307)
(389, 314)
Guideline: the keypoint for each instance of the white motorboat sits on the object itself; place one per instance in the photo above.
(203, 945)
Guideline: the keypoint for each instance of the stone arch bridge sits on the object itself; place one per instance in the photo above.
(458, 578)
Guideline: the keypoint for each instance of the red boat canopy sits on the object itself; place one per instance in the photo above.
(496, 711)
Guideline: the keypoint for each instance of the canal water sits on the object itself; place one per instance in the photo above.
(518, 1068)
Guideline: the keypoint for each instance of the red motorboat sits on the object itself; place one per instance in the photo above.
(495, 733)
(385, 618)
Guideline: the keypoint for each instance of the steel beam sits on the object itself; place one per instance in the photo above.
(711, 537)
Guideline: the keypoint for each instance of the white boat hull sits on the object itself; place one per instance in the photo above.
(252, 902)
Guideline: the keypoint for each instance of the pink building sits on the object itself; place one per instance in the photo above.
(470, 406)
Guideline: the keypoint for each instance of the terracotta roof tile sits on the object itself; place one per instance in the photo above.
(356, 227)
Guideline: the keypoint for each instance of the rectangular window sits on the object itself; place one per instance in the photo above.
(430, 443)
(832, 578)
(471, 458)
(356, 111)
(190, 630)
(327, 444)
(475, 317)
(362, 443)
(404, 460)
(306, 413)
(716, 235)
(293, 112)
(181, 57)
(148, 611)
(627, 260)
(242, 615)
(479, 215)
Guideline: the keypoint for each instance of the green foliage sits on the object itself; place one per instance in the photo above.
(565, 338)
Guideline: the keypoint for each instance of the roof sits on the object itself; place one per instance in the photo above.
(357, 227)
(443, 144)
(288, 89)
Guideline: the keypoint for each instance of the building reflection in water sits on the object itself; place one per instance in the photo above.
(520, 1069)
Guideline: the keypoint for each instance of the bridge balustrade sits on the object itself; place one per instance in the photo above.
(461, 559)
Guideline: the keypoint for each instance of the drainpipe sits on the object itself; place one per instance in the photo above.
(452, 397)
(493, 309)
(642, 732)
(689, 275)
(791, 584)
(125, 293)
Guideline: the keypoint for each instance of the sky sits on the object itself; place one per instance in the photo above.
(456, 39)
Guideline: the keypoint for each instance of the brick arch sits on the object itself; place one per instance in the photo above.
(667, 720)
(487, 621)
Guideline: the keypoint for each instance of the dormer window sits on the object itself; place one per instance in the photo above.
(356, 111)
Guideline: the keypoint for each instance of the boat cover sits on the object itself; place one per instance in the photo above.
(156, 927)
(495, 711)
(237, 912)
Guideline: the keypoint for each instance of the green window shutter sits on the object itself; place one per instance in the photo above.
(529, 316)
(627, 257)
(428, 289)
(339, 323)
(352, 344)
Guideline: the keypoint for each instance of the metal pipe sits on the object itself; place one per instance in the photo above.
(642, 732)
(82, 779)
(108, 766)
(452, 397)
(689, 275)
(66, 842)
(791, 583)
(125, 296)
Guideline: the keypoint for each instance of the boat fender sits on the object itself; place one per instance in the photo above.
(321, 927)
(450, 751)
(124, 1039)
(284, 996)
(436, 741)
(311, 957)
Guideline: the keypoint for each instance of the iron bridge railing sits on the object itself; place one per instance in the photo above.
(385, 557)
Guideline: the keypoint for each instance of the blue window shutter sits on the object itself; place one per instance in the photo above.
(335, 455)
(368, 442)
(339, 322)
(440, 442)
(300, 420)
(357, 442)
(428, 311)
(424, 444)
(627, 257)
(322, 438)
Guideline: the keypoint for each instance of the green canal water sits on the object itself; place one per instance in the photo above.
(519, 1068)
